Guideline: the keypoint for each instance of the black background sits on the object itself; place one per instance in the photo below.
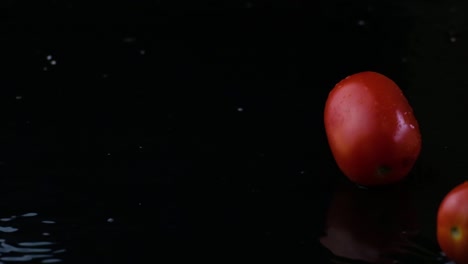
(199, 125)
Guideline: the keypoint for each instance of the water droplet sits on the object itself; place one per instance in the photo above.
(453, 39)
(110, 220)
(19, 97)
(8, 229)
(361, 23)
(142, 52)
(240, 109)
(52, 260)
(48, 222)
(46, 234)
(49, 57)
(108, 154)
(35, 244)
(45, 68)
(29, 214)
(129, 40)
(412, 127)
(17, 259)
(53, 62)
(140, 147)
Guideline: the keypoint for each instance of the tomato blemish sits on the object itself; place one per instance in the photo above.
(456, 233)
(383, 170)
(406, 162)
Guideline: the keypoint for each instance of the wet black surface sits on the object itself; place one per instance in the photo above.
(193, 129)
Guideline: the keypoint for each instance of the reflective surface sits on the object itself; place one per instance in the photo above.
(27, 238)
(140, 130)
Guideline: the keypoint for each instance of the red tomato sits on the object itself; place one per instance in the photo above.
(371, 129)
(452, 224)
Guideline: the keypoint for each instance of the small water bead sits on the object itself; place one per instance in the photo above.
(29, 214)
(52, 260)
(35, 244)
(8, 229)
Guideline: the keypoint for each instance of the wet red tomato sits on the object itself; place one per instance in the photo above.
(371, 129)
(452, 224)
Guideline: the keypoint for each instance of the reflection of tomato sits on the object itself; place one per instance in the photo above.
(371, 129)
(365, 224)
(452, 224)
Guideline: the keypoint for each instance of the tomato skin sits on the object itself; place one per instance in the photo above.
(371, 129)
(452, 224)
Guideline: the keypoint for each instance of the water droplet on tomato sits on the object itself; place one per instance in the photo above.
(411, 125)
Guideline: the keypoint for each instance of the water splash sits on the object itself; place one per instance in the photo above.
(361, 22)
(18, 246)
(7, 219)
(35, 244)
(29, 214)
(52, 260)
(8, 229)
